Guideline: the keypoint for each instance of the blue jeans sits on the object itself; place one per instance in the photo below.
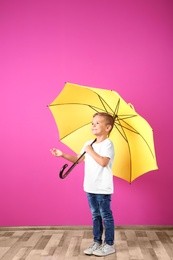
(101, 213)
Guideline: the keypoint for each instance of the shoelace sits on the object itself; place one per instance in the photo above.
(92, 245)
(103, 247)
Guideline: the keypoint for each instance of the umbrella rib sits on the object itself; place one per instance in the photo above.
(74, 131)
(80, 104)
(97, 109)
(101, 100)
(136, 132)
(118, 118)
(116, 109)
(125, 137)
(125, 127)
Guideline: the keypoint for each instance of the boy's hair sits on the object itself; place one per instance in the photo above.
(109, 119)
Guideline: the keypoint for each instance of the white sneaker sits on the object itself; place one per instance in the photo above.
(104, 250)
(94, 246)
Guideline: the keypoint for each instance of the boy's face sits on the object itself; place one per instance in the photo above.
(99, 126)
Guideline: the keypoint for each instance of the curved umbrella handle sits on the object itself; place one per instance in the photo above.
(63, 175)
(62, 170)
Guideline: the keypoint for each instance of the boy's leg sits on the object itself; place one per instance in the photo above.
(107, 217)
(96, 217)
(107, 247)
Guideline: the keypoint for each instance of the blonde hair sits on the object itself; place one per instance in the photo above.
(108, 118)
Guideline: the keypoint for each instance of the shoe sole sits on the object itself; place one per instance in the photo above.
(103, 254)
(88, 253)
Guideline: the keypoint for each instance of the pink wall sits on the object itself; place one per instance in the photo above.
(122, 45)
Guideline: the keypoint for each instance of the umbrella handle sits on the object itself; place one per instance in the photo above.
(63, 175)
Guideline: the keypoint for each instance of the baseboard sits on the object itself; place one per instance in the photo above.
(125, 227)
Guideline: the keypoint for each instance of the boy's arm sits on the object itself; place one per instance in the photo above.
(103, 161)
(70, 158)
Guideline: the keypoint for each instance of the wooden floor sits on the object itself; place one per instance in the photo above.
(62, 244)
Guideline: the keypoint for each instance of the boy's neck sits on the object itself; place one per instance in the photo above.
(101, 138)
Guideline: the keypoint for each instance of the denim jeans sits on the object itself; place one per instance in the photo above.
(101, 214)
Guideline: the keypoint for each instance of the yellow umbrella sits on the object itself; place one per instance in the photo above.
(132, 136)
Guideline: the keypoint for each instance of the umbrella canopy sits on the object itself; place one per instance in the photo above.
(132, 136)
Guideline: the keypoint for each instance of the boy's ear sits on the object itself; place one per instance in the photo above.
(108, 128)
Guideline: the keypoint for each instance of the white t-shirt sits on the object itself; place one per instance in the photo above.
(98, 179)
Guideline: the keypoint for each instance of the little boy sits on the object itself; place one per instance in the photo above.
(98, 182)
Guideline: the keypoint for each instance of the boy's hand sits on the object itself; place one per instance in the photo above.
(56, 152)
(88, 148)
